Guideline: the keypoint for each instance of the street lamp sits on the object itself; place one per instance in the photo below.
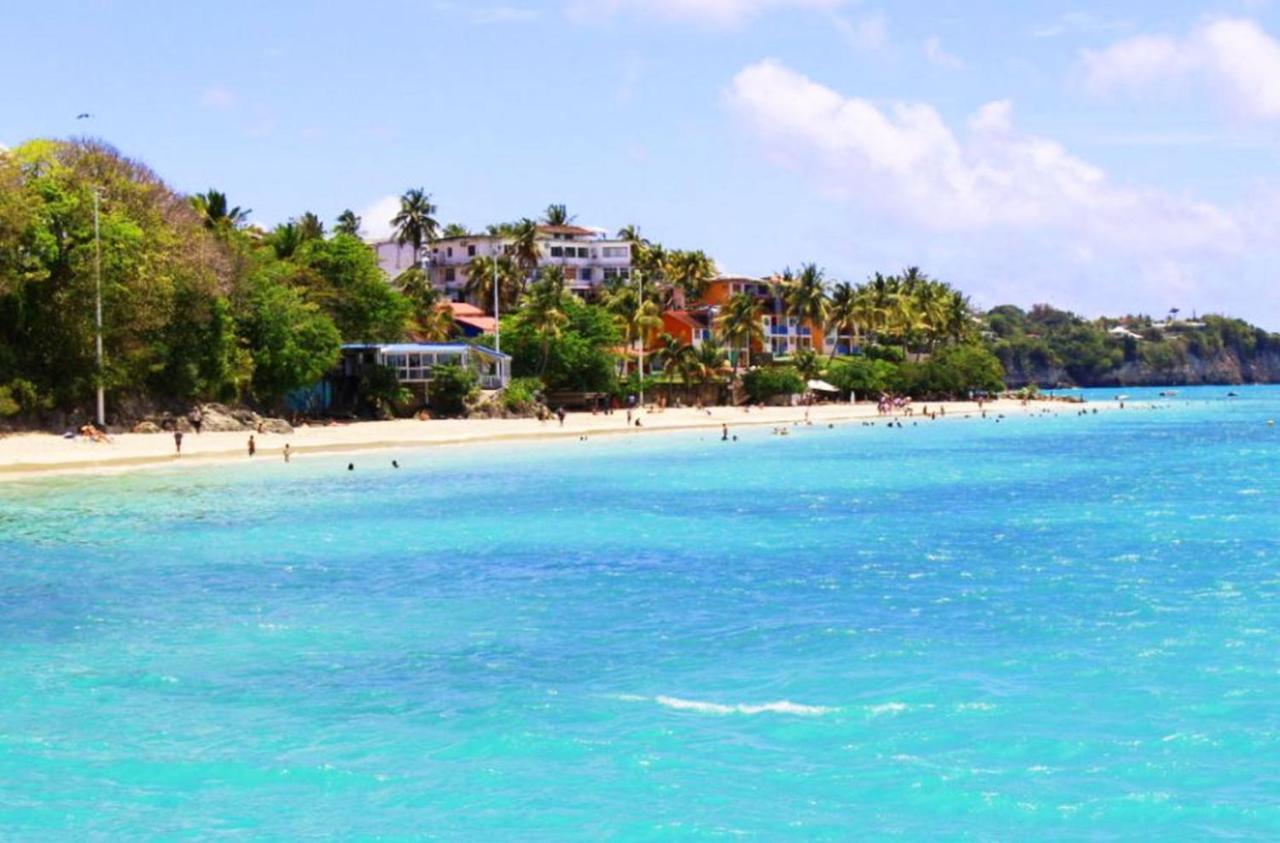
(497, 324)
(97, 272)
(640, 315)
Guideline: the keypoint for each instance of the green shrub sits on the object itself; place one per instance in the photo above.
(888, 353)
(382, 390)
(952, 373)
(450, 388)
(862, 375)
(521, 394)
(770, 381)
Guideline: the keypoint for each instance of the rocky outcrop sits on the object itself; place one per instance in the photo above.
(1224, 367)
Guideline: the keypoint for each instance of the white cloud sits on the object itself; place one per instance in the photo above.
(1236, 58)
(936, 55)
(218, 97)
(985, 189)
(375, 218)
(716, 12)
(869, 32)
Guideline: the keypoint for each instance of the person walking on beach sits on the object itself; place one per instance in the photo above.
(177, 442)
(287, 452)
(560, 414)
(724, 433)
(197, 420)
(253, 446)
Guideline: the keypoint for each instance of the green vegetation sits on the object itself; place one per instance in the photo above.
(768, 382)
(196, 304)
(450, 389)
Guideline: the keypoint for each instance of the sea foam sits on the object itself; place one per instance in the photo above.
(778, 707)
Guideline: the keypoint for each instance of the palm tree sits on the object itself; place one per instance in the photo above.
(347, 223)
(285, 239)
(846, 315)
(806, 299)
(707, 361)
(543, 309)
(214, 212)
(524, 247)
(481, 271)
(429, 317)
(739, 325)
(557, 215)
(672, 354)
(454, 229)
(310, 227)
(631, 233)
(690, 273)
(807, 363)
(415, 221)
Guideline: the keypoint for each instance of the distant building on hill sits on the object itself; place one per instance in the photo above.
(784, 334)
(588, 257)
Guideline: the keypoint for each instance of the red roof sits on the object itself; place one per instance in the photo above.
(461, 308)
(571, 230)
(484, 324)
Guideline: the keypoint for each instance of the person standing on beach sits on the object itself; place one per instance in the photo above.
(253, 446)
(724, 433)
(177, 442)
(197, 420)
(560, 414)
(287, 452)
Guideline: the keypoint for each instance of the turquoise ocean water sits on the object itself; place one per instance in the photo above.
(1057, 627)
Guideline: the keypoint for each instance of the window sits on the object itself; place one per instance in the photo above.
(557, 251)
(584, 274)
(471, 250)
(610, 273)
(449, 252)
(616, 251)
(584, 252)
(449, 275)
(569, 273)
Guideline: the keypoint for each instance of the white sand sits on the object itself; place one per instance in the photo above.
(29, 454)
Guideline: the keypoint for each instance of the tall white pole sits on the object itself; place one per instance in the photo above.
(640, 313)
(97, 272)
(497, 330)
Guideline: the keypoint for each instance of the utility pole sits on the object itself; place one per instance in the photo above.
(97, 273)
(639, 314)
(497, 329)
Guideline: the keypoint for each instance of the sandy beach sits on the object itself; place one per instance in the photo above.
(33, 454)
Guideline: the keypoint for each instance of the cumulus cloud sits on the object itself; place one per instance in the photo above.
(984, 186)
(375, 218)
(1235, 58)
(717, 12)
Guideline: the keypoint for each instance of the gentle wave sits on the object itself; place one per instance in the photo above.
(778, 707)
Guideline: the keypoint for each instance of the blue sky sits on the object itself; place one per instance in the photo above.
(1105, 157)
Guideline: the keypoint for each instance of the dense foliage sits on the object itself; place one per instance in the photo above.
(196, 306)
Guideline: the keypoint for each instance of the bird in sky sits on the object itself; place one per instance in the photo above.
(82, 115)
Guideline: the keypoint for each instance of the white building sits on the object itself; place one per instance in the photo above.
(587, 256)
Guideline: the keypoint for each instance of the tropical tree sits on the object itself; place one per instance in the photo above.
(739, 325)
(806, 299)
(415, 222)
(454, 229)
(674, 357)
(483, 270)
(215, 213)
(706, 362)
(310, 227)
(524, 247)
(807, 362)
(845, 315)
(543, 309)
(347, 223)
(429, 318)
(285, 239)
(690, 273)
(557, 215)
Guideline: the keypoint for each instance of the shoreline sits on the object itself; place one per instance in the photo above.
(32, 455)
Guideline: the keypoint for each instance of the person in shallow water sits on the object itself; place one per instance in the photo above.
(395, 464)
(724, 433)
(287, 453)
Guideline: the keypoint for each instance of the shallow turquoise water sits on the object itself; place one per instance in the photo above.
(1059, 627)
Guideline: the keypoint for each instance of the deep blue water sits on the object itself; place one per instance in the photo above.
(1061, 627)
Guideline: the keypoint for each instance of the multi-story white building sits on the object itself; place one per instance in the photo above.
(587, 256)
